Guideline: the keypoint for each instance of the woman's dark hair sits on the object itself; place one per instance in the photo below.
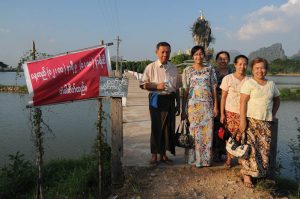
(240, 56)
(221, 52)
(196, 48)
(259, 60)
(163, 44)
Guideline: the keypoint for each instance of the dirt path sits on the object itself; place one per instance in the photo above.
(186, 182)
(169, 181)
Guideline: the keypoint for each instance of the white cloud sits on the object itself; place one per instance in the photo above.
(271, 19)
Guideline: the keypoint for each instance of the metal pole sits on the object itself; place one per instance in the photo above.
(117, 59)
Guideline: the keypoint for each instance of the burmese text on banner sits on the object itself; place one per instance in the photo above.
(68, 77)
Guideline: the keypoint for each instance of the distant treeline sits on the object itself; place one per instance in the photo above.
(9, 70)
(287, 66)
(284, 66)
(137, 66)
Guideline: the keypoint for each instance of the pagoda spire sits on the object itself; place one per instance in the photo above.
(201, 15)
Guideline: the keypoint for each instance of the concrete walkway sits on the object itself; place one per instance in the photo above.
(136, 129)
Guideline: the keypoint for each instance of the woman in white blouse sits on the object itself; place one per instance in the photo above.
(259, 103)
(230, 100)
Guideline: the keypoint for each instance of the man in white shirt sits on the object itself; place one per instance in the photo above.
(162, 80)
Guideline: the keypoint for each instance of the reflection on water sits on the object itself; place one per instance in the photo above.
(287, 130)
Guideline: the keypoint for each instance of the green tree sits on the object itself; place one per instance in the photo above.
(28, 56)
(178, 59)
(3, 65)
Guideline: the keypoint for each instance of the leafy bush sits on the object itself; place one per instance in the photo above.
(17, 179)
(71, 178)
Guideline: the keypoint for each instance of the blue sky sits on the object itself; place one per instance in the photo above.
(58, 25)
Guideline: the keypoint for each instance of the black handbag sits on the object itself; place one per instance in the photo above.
(236, 149)
(183, 138)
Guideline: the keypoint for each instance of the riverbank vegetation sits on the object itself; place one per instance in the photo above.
(13, 89)
(292, 94)
(78, 178)
(64, 178)
(278, 66)
(285, 93)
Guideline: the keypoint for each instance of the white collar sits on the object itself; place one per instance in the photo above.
(165, 66)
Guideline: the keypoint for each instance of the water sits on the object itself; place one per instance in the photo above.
(287, 130)
(73, 126)
(285, 81)
(9, 78)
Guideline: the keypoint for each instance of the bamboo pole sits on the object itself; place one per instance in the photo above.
(37, 118)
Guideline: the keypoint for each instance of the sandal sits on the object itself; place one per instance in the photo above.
(153, 162)
(249, 185)
(248, 182)
(166, 161)
(227, 164)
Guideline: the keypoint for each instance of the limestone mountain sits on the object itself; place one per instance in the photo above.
(233, 54)
(270, 53)
(296, 56)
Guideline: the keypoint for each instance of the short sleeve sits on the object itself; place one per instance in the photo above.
(185, 79)
(245, 89)
(225, 83)
(146, 76)
(276, 91)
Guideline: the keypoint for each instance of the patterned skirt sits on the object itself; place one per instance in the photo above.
(232, 122)
(258, 134)
(201, 127)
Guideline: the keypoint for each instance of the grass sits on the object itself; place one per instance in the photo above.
(290, 94)
(281, 187)
(71, 178)
(62, 178)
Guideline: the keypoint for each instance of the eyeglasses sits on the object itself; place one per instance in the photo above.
(223, 59)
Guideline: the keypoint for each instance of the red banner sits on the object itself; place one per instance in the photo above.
(69, 77)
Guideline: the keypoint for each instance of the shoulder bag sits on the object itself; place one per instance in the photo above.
(183, 138)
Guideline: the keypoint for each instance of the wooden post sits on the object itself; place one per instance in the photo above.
(37, 119)
(273, 149)
(99, 144)
(116, 115)
(39, 151)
